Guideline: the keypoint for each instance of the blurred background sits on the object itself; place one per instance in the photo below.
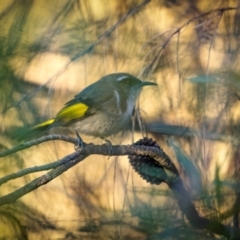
(51, 50)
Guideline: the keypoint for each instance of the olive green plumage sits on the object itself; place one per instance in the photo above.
(102, 109)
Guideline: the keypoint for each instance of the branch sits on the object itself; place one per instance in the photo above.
(70, 161)
(38, 141)
(149, 69)
(74, 158)
(145, 160)
(34, 169)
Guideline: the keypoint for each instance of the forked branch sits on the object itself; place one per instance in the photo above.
(146, 157)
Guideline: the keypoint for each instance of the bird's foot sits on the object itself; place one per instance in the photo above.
(80, 143)
(109, 145)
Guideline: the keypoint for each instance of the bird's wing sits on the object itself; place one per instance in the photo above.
(71, 113)
(86, 103)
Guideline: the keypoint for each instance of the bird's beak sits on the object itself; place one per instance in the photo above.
(147, 84)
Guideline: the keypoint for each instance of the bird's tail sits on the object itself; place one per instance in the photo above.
(26, 133)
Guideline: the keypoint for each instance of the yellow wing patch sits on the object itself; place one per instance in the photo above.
(71, 113)
(44, 124)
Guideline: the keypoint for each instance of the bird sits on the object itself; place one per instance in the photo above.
(101, 110)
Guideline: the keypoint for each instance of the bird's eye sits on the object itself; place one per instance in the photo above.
(126, 81)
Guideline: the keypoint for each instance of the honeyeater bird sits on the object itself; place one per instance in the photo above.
(100, 110)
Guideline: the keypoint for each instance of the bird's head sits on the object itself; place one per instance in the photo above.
(125, 82)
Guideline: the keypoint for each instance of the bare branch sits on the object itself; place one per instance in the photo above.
(173, 180)
(38, 141)
(74, 158)
(26, 171)
(149, 69)
(70, 160)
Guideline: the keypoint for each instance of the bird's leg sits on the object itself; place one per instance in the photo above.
(80, 143)
(109, 145)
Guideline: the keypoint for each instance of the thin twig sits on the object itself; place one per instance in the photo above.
(34, 169)
(151, 67)
(207, 72)
(38, 141)
(71, 160)
(178, 69)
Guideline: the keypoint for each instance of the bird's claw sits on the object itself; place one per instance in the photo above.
(109, 145)
(80, 143)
